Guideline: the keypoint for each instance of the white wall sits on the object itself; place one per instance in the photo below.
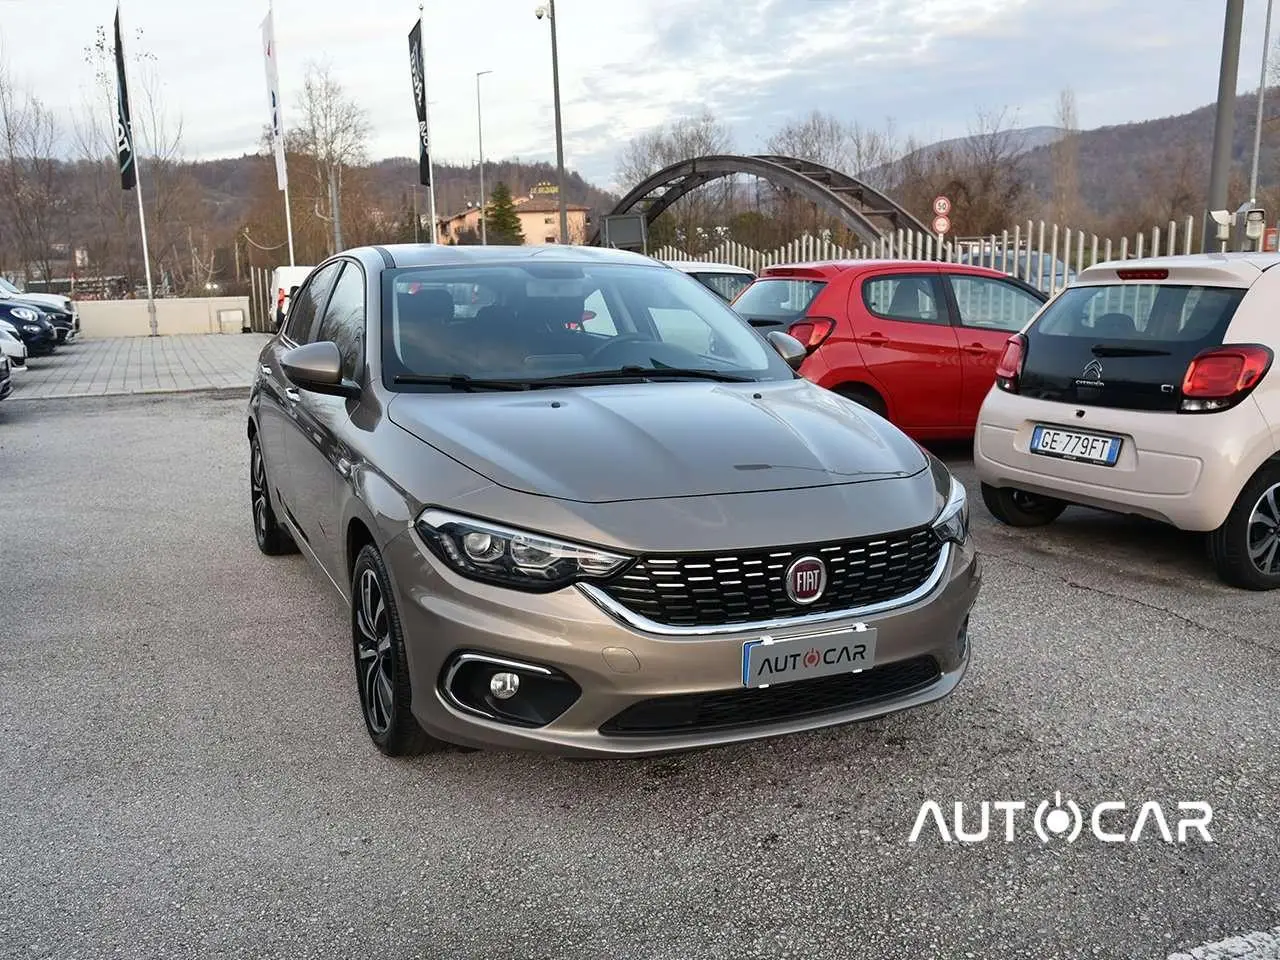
(129, 318)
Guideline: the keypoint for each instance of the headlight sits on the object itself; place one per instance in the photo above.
(952, 524)
(512, 558)
(24, 313)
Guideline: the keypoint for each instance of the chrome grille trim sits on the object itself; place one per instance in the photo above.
(642, 623)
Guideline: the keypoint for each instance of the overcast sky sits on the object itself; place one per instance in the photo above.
(627, 66)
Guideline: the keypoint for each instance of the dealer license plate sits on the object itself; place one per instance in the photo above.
(767, 661)
(1070, 445)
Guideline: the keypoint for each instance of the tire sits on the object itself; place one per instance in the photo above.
(1017, 508)
(272, 538)
(382, 669)
(865, 396)
(1252, 527)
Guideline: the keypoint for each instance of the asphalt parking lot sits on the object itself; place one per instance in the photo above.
(184, 771)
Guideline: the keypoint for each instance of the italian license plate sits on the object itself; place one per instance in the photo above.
(767, 661)
(1071, 445)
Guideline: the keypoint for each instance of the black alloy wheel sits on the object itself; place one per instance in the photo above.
(273, 539)
(382, 669)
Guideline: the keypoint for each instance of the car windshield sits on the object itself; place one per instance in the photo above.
(7, 288)
(725, 285)
(523, 321)
(780, 299)
(1146, 313)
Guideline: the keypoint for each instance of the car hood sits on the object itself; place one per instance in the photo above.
(608, 443)
(54, 300)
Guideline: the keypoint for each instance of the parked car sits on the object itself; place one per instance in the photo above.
(915, 341)
(6, 381)
(1146, 388)
(595, 541)
(12, 346)
(284, 281)
(1040, 270)
(57, 301)
(66, 325)
(35, 329)
(723, 279)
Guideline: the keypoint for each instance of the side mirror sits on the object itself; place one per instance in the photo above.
(788, 347)
(318, 367)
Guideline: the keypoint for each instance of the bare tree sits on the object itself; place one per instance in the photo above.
(30, 178)
(107, 216)
(332, 133)
(981, 174)
(819, 138)
(690, 221)
(1066, 163)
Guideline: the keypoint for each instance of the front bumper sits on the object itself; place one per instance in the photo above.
(922, 645)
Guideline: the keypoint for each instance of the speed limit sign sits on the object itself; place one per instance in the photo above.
(941, 206)
(941, 224)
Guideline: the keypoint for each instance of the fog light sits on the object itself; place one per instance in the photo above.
(504, 685)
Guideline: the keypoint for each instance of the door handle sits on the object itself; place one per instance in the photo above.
(975, 348)
(875, 339)
(265, 369)
(292, 393)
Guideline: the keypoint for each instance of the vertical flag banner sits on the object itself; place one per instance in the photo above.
(420, 102)
(273, 94)
(124, 126)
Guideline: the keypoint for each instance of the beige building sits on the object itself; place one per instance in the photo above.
(539, 221)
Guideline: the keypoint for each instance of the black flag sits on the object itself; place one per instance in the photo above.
(420, 102)
(124, 127)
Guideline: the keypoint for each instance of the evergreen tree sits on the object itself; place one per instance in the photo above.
(502, 223)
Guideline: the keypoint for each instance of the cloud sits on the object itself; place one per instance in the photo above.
(627, 68)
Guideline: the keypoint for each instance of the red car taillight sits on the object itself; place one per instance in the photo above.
(280, 299)
(1222, 377)
(1009, 369)
(811, 331)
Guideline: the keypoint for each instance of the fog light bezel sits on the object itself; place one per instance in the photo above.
(472, 694)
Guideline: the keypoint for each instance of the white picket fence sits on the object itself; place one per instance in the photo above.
(1045, 255)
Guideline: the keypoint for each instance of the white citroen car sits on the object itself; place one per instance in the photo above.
(1147, 387)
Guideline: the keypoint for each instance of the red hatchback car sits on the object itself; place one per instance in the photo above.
(916, 341)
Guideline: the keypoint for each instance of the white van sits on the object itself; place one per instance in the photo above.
(285, 280)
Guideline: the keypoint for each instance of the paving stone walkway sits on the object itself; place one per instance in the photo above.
(128, 365)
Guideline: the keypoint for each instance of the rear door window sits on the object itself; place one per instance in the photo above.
(905, 297)
(1124, 345)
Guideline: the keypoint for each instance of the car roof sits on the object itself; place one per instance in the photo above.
(1225, 269)
(706, 266)
(829, 268)
(439, 254)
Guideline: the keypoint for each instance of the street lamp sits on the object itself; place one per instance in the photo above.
(484, 236)
(549, 11)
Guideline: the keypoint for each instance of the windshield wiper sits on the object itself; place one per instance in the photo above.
(1102, 350)
(460, 381)
(648, 373)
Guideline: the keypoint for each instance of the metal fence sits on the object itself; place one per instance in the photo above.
(1043, 254)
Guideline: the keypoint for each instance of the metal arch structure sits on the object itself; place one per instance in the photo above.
(865, 211)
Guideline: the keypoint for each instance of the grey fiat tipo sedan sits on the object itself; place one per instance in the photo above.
(578, 505)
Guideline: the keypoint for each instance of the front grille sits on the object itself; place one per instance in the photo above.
(723, 709)
(718, 589)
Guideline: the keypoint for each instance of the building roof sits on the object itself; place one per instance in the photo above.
(545, 205)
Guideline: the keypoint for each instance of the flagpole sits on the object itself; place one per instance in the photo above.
(277, 120)
(288, 221)
(431, 159)
(137, 187)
